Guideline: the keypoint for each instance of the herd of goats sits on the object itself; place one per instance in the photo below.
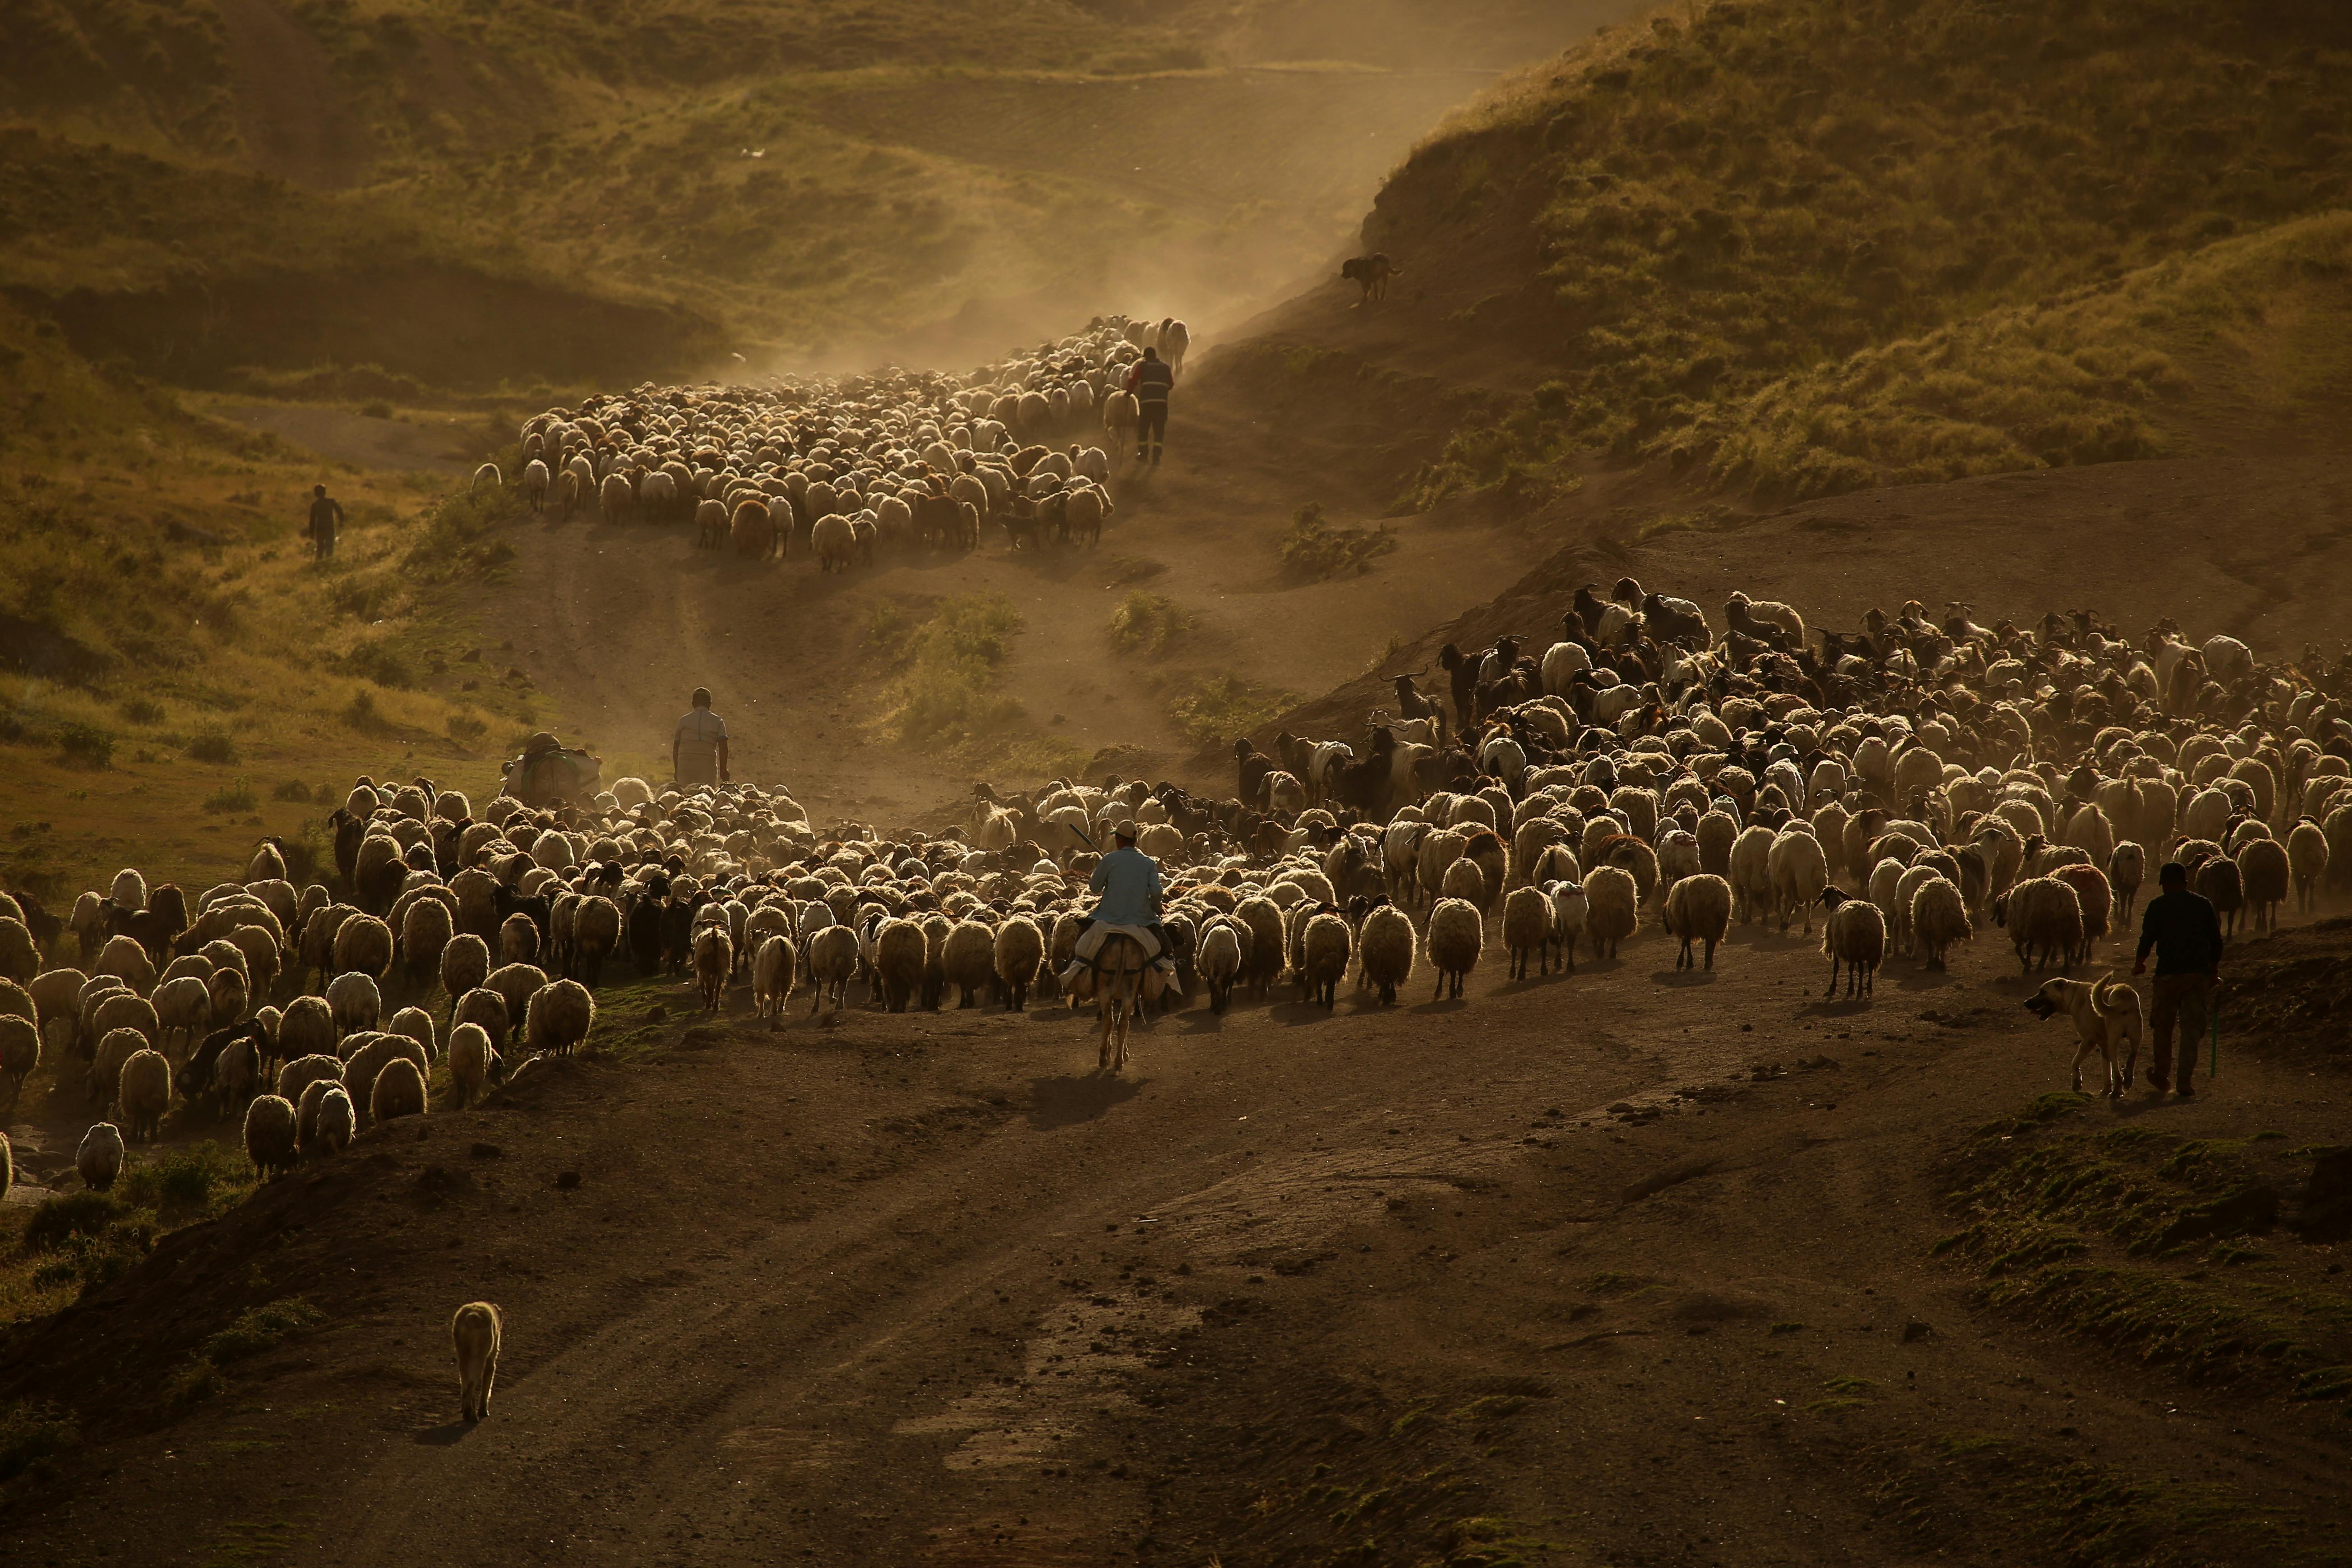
(1904, 783)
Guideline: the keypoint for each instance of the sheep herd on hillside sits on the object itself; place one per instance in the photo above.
(1907, 781)
(834, 470)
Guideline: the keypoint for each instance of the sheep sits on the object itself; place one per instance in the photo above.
(473, 1332)
(1463, 881)
(426, 930)
(833, 960)
(518, 939)
(714, 964)
(1219, 961)
(473, 1062)
(99, 1159)
(1612, 908)
(773, 971)
(115, 1047)
(2126, 868)
(1570, 914)
(1939, 917)
(2306, 853)
(1329, 946)
(399, 1092)
(835, 542)
(334, 1123)
(1698, 909)
(487, 474)
(1750, 874)
(306, 1028)
(184, 1010)
(270, 1135)
(1853, 934)
(355, 1001)
(2266, 874)
(595, 932)
(1018, 952)
(2045, 920)
(364, 946)
(1798, 873)
(1527, 929)
(145, 1094)
(304, 1070)
(1451, 945)
(515, 985)
(20, 1052)
(558, 1019)
(969, 960)
(465, 964)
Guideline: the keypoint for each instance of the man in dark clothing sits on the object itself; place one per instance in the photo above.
(1149, 382)
(2185, 933)
(325, 516)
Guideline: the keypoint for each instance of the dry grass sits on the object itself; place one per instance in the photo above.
(1742, 204)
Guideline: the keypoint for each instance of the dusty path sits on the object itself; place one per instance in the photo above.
(617, 625)
(925, 1290)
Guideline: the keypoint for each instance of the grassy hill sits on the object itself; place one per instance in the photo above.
(1787, 244)
(467, 193)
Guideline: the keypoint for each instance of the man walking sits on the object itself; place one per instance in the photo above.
(2183, 931)
(1150, 382)
(698, 753)
(326, 515)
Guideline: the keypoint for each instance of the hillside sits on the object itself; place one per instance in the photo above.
(471, 197)
(1698, 243)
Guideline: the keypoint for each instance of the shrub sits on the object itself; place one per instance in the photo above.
(468, 729)
(31, 1436)
(375, 409)
(232, 798)
(1147, 622)
(85, 744)
(362, 713)
(141, 710)
(212, 744)
(948, 693)
(1315, 548)
(183, 1183)
(68, 1213)
(250, 1334)
(291, 789)
(1219, 707)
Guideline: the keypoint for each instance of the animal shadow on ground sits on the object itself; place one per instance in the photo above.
(1921, 978)
(444, 1436)
(1448, 1005)
(1822, 1007)
(1065, 1101)
(1682, 978)
(1294, 1013)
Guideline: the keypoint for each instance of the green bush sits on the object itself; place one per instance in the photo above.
(1220, 707)
(68, 1213)
(233, 798)
(291, 789)
(375, 409)
(948, 693)
(468, 729)
(212, 744)
(31, 1436)
(85, 744)
(1147, 622)
(253, 1333)
(361, 712)
(141, 710)
(1315, 548)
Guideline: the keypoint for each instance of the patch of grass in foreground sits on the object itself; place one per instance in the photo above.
(250, 1334)
(1147, 623)
(2133, 1239)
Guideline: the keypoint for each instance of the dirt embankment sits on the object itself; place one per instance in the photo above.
(1445, 1281)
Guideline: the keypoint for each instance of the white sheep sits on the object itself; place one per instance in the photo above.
(559, 1018)
(474, 1333)
(1527, 929)
(1853, 934)
(473, 1062)
(1452, 944)
(98, 1160)
(1612, 908)
(1698, 909)
(1018, 952)
(833, 961)
(145, 1094)
(1798, 873)
(1328, 948)
(270, 1135)
(1939, 917)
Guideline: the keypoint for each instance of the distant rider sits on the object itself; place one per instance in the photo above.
(1150, 382)
(697, 754)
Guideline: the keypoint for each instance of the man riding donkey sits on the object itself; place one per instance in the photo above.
(1127, 882)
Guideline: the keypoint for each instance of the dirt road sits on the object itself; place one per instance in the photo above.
(1586, 1263)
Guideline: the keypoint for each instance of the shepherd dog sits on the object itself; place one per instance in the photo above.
(2106, 1015)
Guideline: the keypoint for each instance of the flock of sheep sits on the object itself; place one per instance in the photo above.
(832, 469)
(1645, 767)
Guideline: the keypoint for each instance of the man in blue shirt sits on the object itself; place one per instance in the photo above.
(1151, 380)
(1127, 882)
(2185, 933)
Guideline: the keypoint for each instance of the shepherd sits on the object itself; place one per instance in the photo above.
(698, 753)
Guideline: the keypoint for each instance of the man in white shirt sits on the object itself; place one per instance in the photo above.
(697, 754)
